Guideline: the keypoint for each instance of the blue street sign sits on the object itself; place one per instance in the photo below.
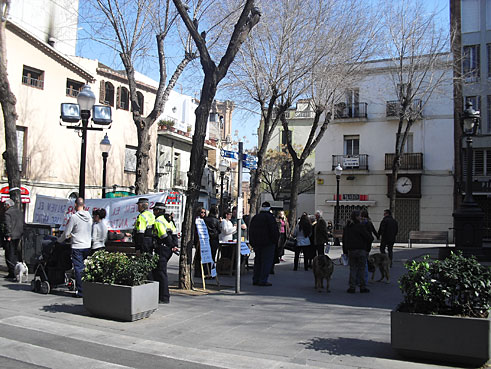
(228, 154)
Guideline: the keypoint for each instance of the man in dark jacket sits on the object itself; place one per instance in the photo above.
(356, 244)
(321, 235)
(13, 228)
(263, 235)
(387, 233)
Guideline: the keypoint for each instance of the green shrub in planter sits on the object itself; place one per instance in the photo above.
(454, 286)
(118, 268)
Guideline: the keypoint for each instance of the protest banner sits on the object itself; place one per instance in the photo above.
(205, 249)
(121, 212)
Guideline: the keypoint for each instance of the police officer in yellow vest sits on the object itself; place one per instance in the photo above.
(172, 230)
(164, 246)
(143, 230)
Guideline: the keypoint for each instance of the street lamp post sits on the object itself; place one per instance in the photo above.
(86, 100)
(222, 167)
(469, 218)
(73, 113)
(338, 170)
(105, 148)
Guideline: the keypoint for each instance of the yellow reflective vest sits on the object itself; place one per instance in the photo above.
(144, 222)
(160, 227)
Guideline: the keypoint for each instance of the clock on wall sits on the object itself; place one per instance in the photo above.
(404, 185)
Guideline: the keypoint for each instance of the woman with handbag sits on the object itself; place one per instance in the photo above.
(302, 233)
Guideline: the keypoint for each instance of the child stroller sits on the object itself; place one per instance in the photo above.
(52, 267)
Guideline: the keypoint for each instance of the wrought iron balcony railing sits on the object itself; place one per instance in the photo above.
(359, 161)
(409, 161)
(346, 111)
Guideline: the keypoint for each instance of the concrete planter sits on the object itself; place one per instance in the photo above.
(127, 303)
(439, 337)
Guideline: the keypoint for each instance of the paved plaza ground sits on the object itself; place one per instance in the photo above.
(288, 325)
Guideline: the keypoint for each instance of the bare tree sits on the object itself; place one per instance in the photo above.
(8, 101)
(132, 24)
(273, 66)
(277, 180)
(248, 18)
(419, 64)
(349, 33)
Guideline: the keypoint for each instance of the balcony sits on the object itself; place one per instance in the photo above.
(180, 179)
(29, 81)
(393, 108)
(350, 111)
(409, 161)
(304, 114)
(358, 162)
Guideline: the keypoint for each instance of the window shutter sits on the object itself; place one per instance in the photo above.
(102, 92)
(118, 98)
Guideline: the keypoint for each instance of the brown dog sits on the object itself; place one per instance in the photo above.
(323, 268)
(380, 261)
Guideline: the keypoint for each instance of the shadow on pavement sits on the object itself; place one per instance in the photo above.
(18, 286)
(350, 346)
(77, 309)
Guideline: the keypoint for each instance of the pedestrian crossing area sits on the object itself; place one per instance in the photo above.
(51, 344)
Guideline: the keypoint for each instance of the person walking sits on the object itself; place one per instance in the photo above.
(164, 247)
(321, 234)
(263, 236)
(355, 244)
(99, 230)
(13, 228)
(284, 228)
(143, 229)
(302, 233)
(213, 225)
(366, 221)
(387, 231)
(79, 229)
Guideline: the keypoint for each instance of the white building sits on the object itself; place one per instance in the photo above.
(362, 139)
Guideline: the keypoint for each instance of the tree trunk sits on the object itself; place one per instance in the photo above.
(8, 101)
(142, 157)
(292, 210)
(197, 164)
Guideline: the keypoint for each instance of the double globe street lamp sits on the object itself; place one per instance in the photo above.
(74, 113)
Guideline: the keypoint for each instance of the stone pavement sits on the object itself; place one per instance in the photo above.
(288, 325)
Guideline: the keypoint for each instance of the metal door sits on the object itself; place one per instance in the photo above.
(407, 216)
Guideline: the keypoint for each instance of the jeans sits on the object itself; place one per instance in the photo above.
(78, 257)
(263, 260)
(357, 263)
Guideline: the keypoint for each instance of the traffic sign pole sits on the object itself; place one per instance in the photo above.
(239, 218)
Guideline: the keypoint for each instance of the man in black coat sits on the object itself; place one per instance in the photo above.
(13, 228)
(387, 233)
(356, 244)
(263, 236)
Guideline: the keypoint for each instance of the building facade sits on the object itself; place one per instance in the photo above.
(361, 139)
(474, 17)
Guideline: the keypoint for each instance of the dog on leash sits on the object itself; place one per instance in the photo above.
(21, 271)
(322, 267)
(382, 262)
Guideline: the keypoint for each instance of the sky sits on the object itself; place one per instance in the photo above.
(243, 121)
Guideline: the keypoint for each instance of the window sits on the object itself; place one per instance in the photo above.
(106, 93)
(351, 145)
(408, 147)
(481, 163)
(73, 87)
(213, 117)
(33, 77)
(130, 159)
(123, 97)
(139, 96)
(489, 113)
(488, 47)
(470, 63)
